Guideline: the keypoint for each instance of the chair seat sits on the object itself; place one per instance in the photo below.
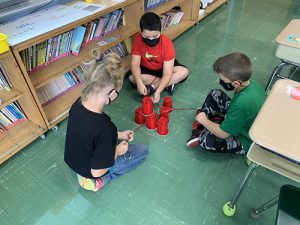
(288, 53)
(288, 211)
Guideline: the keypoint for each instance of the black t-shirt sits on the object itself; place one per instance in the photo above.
(90, 140)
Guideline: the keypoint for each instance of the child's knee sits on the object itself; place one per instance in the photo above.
(139, 150)
(185, 71)
(144, 150)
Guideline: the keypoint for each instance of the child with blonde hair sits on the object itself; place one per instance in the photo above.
(92, 149)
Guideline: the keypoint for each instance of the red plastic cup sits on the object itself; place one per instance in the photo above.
(151, 121)
(139, 117)
(147, 106)
(162, 126)
(168, 103)
(164, 112)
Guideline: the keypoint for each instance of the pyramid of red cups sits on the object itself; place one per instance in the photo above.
(146, 114)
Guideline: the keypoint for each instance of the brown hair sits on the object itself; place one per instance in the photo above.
(234, 66)
(109, 71)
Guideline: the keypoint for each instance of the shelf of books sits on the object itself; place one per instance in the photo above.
(53, 65)
(52, 70)
(56, 114)
(63, 91)
(210, 8)
(20, 119)
(176, 15)
(160, 7)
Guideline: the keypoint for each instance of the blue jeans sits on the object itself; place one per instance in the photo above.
(135, 155)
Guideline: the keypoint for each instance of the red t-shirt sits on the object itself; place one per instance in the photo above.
(153, 57)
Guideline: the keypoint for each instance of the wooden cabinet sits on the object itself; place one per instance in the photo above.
(20, 134)
(187, 21)
(57, 110)
(210, 8)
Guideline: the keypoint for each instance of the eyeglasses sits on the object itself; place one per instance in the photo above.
(112, 95)
(151, 37)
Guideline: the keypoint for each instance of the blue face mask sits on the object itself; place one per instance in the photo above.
(226, 86)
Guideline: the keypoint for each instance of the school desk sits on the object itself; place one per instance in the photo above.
(276, 145)
(288, 51)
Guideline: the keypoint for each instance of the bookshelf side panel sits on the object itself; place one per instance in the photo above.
(28, 102)
(133, 13)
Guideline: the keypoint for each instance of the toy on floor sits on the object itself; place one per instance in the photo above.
(146, 115)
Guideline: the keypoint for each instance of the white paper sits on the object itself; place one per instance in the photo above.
(41, 22)
(89, 7)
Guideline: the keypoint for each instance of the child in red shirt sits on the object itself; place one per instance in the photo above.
(153, 63)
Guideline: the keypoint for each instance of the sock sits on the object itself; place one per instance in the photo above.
(98, 184)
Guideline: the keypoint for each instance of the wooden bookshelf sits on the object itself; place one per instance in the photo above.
(187, 21)
(63, 65)
(17, 138)
(21, 134)
(8, 97)
(212, 7)
(57, 110)
(164, 7)
(110, 6)
(174, 31)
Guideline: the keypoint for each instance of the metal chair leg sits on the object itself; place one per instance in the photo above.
(276, 70)
(254, 212)
(229, 208)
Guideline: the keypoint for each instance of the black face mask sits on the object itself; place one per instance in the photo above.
(226, 86)
(114, 99)
(152, 42)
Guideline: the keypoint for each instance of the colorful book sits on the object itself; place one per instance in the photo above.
(78, 36)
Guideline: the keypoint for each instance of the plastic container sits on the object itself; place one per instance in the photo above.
(139, 117)
(151, 121)
(3, 43)
(168, 103)
(162, 126)
(147, 106)
(164, 112)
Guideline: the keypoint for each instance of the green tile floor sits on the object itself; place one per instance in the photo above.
(176, 185)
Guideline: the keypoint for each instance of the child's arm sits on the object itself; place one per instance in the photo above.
(136, 72)
(126, 135)
(167, 74)
(211, 126)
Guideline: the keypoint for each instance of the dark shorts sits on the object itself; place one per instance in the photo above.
(157, 73)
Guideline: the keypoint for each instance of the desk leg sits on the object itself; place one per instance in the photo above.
(229, 208)
(293, 70)
(254, 212)
(276, 70)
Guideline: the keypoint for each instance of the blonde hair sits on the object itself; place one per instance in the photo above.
(109, 71)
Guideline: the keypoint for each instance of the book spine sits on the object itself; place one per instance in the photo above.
(8, 115)
(14, 113)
